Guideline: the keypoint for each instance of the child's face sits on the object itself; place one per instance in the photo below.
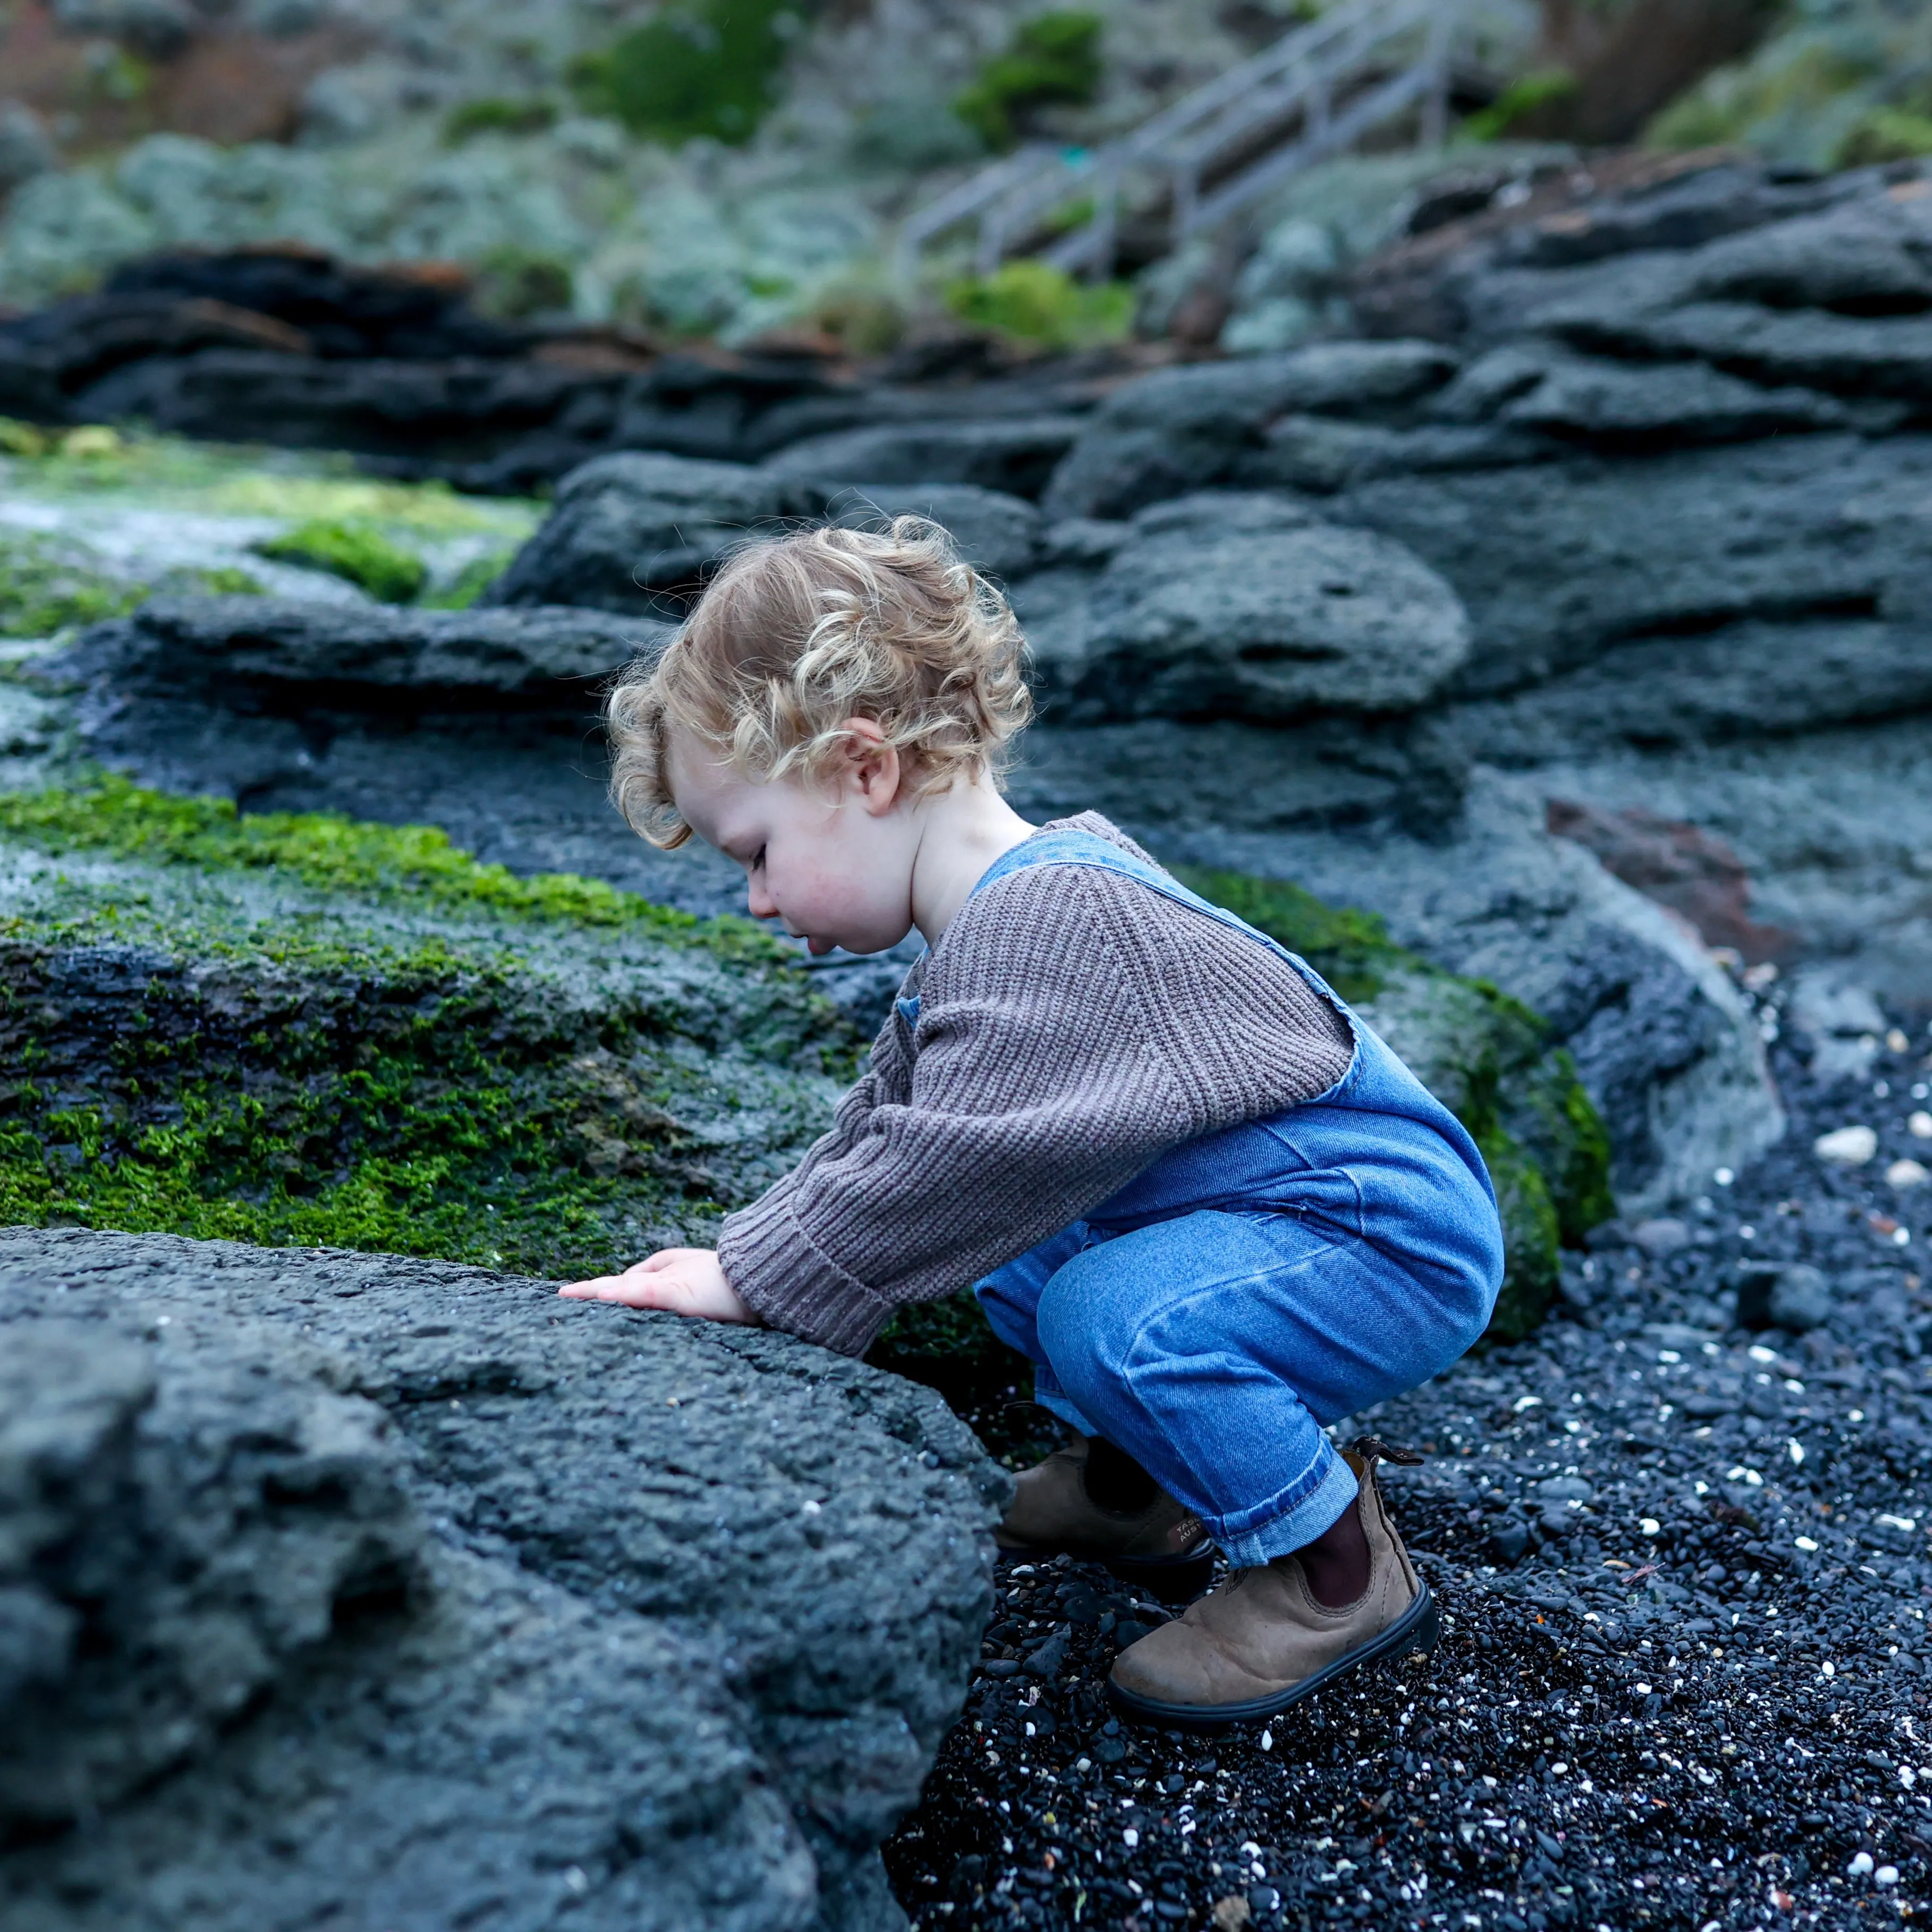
(832, 863)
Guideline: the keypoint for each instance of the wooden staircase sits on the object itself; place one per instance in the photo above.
(1215, 152)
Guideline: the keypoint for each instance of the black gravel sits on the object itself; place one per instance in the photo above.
(1685, 1569)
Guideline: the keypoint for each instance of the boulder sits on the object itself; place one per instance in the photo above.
(292, 657)
(1246, 606)
(1182, 429)
(489, 1605)
(639, 533)
(1015, 457)
(1558, 563)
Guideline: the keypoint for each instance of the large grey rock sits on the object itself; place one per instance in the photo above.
(1245, 606)
(291, 653)
(641, 533)
(636, 532)
(1181, 430)
(338, 1586)
(1016, 457)
(1557, 563)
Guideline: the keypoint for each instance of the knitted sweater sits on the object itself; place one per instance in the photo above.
(1072, 1026)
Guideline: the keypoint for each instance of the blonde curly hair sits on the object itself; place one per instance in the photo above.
(797, 634)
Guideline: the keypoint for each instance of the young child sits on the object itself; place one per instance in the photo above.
(1214, 1210)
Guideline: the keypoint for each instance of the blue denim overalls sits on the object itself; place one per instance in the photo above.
(1255, 1284)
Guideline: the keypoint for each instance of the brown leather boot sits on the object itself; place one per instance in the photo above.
(1261, 1641)
(1161, 1546)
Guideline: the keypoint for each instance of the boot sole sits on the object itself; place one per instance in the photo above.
(1419, 1627)
(1172, 1579)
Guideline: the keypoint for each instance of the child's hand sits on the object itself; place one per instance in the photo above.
(687, 1281)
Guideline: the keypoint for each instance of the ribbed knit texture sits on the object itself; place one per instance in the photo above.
(1074, 1024)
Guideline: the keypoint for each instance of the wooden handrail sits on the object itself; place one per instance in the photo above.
(1296, 83)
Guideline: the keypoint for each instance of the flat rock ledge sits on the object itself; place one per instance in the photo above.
(351, 1590)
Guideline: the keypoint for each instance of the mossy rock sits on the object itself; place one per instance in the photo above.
(292, 1030)
(356, 551)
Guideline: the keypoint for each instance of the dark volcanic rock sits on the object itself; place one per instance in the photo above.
(1016, 457)
(1248, 607)
(1181, 430)
(636, 532)
(347, 1585)
(286, 655)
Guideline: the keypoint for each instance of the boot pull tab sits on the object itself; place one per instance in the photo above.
(1373, 1450)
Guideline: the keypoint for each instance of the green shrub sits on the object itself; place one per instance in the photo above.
(700, 67)
(348, 548)
(1052, 57)
(1886, 134)
(1032, 302)
(1531, 91)
(469, 119)
(514, 283)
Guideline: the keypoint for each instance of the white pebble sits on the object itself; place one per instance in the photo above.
(1796, 1450)
(1846, 1147)
(1267, 1741)
(1920, 1124)
(1130, 1838)
(1903, 1173)
(1805, 1542)
(1886, 1875)
(1650, 1526)
(1860, 1866)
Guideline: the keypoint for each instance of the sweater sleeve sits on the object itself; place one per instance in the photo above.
(1031, 1099)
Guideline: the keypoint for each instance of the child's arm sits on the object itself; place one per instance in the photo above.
(687, 1281)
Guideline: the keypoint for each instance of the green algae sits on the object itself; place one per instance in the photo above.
(309, 1031)
(353, 550)
(415, 864)
(46, 587)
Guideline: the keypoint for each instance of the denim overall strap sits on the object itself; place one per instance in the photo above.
(1377, 1155)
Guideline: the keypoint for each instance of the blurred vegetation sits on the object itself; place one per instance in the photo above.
(1529, 91)
(469, 119)
(357, 551)
(513, 284)
(700, 67)
(1052, 59)
(1035, 303)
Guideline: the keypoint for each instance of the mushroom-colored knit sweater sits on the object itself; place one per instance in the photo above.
(1073, 1024)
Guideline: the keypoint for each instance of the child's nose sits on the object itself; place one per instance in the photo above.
(760, 903)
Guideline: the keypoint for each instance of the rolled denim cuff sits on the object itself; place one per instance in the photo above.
(1250, 1538)
(1048, 1393)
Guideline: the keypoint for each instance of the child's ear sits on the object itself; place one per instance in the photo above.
(872, 771)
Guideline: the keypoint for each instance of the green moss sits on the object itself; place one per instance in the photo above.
(1886, 134)
(23, 439)
(1522, 97)
(1529, 1233)
(1033, 302)
(469, 583)
(1053, 58)
(496, 115)
(222, 581)
(44, 590)
(708, 67)
(356, 551)
(412, 863)
(311, 1031)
